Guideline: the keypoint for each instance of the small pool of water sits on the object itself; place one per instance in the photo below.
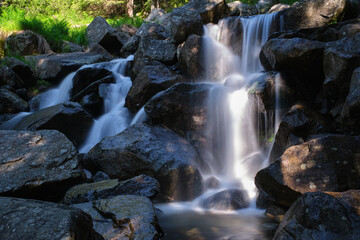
(181, 223)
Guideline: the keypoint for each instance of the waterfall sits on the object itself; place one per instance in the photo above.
(236, 150)
(116, 117)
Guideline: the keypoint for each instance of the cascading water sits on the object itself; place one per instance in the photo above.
(116, 117)
(232, 121)
(236, 154)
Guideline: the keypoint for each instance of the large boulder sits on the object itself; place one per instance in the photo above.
(226, 200)
(320, 216)
(11, 103)
(211, 11)
(351, 110)
(182, 22)
(190, 56)
(313, 13)
(124, 217)
(158, 50)
(141, 185)
(56, 67)
(26, 43)
(296, 126)
(327, 163)
(155, 13)
(299, 61)
(181, 107)
(69, 118)
(99, 31)
(340, 60)
(155, 151)
(148, 82)
(237, 8)
(41, 165)
(36, 220)
(22, 71)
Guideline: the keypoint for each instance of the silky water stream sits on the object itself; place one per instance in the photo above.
(232, 50)
(236, 153)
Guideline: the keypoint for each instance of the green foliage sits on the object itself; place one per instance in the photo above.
(290, 2)
(117, 22)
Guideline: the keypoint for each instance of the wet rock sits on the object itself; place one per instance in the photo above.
(276, 212)
(319, 216)
(124, 217)
(99, 31)
(148, 82)
(264, 88)
(68, 118)
(182, 107)
(296, 126)
(26, 43)
(352, 9)
(141, 185)
(86, 76)
(299, 61)
(190, 56)
(41, 165)
(93, 103)
(351, 110)
(158, 50)
(92, 88)
(56, 67)
(9, 79)
(37, 220)
(182, 22)
(326, 163)
(230, 199)
(313, 13)
(212, 183)
(340, 60)
(211, 11)
(155, 14)
(11, 103)
(24, 74)
(155, 151)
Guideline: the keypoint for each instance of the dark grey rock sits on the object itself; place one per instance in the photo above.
(158, 50)
(26, 43)
(124, 217)
(11, 103)
(320, 216)
(148, 82)
(36, 220)
(68, 118)
(141, 185)
(155, 151)
(230, 199)
(41, 165)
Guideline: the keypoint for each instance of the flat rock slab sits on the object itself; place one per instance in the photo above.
(124, 217)
(36, 220)
(41, 165)
(141, 185)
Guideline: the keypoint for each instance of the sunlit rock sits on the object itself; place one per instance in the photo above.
(326, 163)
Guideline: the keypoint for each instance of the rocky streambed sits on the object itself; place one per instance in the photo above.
(309, 186)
